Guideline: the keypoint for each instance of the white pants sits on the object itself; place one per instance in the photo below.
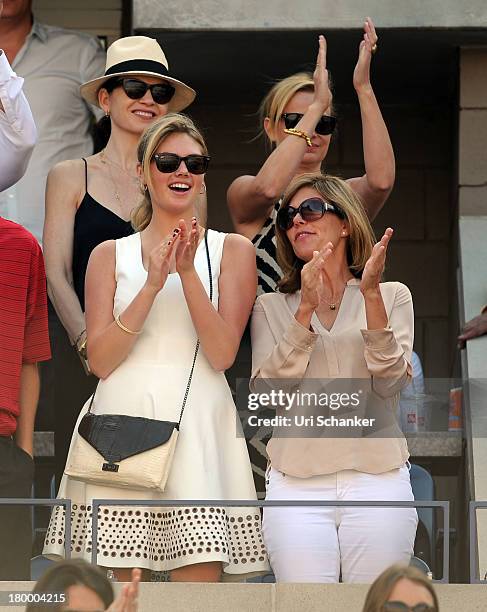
(318, 544)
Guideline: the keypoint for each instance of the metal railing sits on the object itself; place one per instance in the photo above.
(98, 503)
(445, 505)
(21, 501)
(473, 541)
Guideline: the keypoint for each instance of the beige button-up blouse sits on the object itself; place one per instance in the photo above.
(282, 348)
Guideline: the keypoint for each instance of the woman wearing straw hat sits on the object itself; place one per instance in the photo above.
(90, 200)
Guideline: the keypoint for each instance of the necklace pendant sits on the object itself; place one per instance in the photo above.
(332, 306)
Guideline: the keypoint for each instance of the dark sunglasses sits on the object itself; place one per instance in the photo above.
(325, 125)
(170, 162)
(135, 89)
(400, 606)
(311, 209)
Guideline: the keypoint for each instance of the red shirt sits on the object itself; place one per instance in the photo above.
(24, 336)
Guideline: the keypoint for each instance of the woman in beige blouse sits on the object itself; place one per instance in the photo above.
(333, 323)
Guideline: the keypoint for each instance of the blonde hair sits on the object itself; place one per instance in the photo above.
(381, 589)
(157, 132)
(361, 239)
(276, 100)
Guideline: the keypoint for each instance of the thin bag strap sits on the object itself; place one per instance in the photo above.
(92, 398)
(186, 393)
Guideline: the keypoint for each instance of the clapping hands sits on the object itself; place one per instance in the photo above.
(368, 45)
(160, 262)
(187, 243)
(179, 247)
(374, 267)
(322, 94)
(312, 277)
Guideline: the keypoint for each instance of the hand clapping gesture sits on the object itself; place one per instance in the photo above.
(374, 267)
(312, 277)
(187, 244)
(368, 46)
(160, 261)
(322, 94)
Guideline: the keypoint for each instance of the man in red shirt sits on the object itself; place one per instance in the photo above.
(24, 341)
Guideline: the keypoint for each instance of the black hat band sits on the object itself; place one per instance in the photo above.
(138, 65)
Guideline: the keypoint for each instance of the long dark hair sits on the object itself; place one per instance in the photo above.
(102, 129)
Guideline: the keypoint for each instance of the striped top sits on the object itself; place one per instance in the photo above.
(268, 271)
(24, 336)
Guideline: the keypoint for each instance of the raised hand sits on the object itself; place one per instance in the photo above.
(322, 94)
(186, 247)
(312, 277)
(361, 74)
(126, 601)
(374, 267)
(160, 261)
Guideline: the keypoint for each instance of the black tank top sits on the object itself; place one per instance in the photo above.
(93, 224)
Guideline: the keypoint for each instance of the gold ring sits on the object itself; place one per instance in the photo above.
(374, 48)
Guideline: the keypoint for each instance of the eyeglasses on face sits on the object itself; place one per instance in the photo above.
(170, 162)
(400, 606)
(135, 89)
(325, 126)
(310, 210)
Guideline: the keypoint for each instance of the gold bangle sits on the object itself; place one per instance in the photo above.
(126, 329)
(79, 337)
(82, 348)
(295, 132)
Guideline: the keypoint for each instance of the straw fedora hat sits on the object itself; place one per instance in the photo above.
(138, 56)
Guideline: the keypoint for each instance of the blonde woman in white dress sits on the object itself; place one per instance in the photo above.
(147, 302)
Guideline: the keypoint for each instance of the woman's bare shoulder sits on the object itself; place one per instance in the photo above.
(239, 243)
(104, 252)
(70, 172)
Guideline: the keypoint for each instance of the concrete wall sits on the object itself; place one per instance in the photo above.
(274, 598)
(280, 14)
(93, 16)
(473, 132)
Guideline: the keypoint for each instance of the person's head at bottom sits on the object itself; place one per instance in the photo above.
(84, 587)
(401, 589)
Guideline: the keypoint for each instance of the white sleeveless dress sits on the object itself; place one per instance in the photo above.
(211, 459)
